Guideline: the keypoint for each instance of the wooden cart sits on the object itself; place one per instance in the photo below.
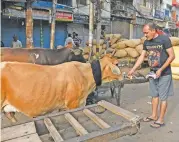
(100, 122)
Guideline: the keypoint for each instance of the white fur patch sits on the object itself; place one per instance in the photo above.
(36, 56)
(3, 64)
(10, 108)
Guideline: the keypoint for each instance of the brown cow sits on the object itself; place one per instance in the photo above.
(37, 89)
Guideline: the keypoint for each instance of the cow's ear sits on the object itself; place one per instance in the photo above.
(115, 69)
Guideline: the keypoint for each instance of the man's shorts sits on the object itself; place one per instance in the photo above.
(161, 87)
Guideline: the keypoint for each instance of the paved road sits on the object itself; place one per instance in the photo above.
(135, 99)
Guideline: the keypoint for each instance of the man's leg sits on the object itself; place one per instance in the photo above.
(155, 102)
(154, 116)
(163, 108)
(165, 90)
(153, 84)
(160, 121)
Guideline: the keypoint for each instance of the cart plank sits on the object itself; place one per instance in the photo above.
(28, 138)
(17, 131)
(117, 110)
(96, 119)
(76, 125)
(53, 131)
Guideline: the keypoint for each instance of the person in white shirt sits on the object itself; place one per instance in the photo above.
(16, 43)
(69, 43)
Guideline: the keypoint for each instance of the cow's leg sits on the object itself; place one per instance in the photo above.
(9, 112)
(83, 103)
(11, 116)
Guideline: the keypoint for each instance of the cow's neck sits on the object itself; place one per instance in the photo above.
(86, 72)
(96, 70)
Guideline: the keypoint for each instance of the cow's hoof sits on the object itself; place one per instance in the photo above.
(14, 120)
(11, 117)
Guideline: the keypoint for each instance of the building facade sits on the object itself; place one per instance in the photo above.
(13, 22)
(80, 23)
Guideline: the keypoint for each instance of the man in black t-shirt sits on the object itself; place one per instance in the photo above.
(160, 55)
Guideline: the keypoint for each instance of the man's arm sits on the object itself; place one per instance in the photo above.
(138, 63)
(171, 57)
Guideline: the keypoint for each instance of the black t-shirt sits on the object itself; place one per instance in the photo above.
(157, 54)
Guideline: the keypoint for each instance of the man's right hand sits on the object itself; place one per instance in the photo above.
(130, 73)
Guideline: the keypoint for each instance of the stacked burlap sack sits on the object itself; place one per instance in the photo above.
(102, 47)
(175, 63)
(123, 47)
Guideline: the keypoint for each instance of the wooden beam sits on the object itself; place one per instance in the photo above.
(17, 131)
(63, 112)
(106, 135)
(28, 138)
(119, 111)
(96, 119)
(76, 125)
(53, 131)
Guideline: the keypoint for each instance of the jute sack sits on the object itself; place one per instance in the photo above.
(121, 45)
(114, 40)
(101, 41)
(132, 52)
(117, 35)
(143, 39)
(139, 48)
(174, 40)
(176, 77)
(86, 50)
(123, 39)
(104, 46)
(109, 50)
(102, 51)
(100, 48)
(132, 43)
(94, 49)
(114, 46)
(109, 36)
(175, 70)
(175, 62)
(94, 41)
(120, 53)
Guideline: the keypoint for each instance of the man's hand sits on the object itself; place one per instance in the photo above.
(158, 73)
(130, 73)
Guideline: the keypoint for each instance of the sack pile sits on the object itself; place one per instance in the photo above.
(175, 63)
(124, 47)
(127, 48)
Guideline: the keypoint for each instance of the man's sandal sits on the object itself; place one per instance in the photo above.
(157, 125)
(148, 119)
